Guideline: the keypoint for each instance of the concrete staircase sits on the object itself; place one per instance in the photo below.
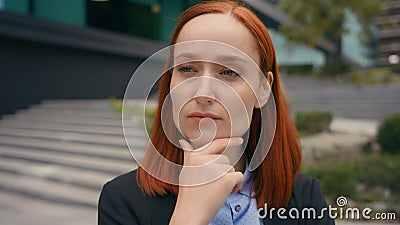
(343, 100)
(64, 150)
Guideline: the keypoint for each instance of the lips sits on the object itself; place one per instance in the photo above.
(197, 116)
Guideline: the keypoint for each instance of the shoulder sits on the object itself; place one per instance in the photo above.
(307, 191)
(307, 195)
(125, 184)
(118, 202)
(308, 203)
(305, 185)
(125, 189)
(123, 202)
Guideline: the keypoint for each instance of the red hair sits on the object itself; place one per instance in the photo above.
(273, 179)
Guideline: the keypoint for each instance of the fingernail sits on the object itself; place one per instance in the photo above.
(237, 141)
(181, 143)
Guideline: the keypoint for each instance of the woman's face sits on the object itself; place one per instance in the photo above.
(215, 95)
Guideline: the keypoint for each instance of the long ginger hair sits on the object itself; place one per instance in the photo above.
(273, 179)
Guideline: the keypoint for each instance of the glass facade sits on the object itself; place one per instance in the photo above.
(290, 54)
(70, 12)
(351, 44)
(19, 6)
(127, 17)
(155, 19)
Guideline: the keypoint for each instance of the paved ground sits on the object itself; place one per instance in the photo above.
(16, 209)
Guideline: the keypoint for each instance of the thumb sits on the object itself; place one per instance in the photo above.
(185, 145)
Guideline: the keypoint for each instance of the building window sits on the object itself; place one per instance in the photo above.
(124, 16)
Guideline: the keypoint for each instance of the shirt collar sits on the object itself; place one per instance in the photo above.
(247, 185)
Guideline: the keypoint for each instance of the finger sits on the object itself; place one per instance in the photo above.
(215, 158)
(222, 159)
(208, 168)
(203, 174)
(237, 179)
(187, 148)
(185, 145)
(219, 145)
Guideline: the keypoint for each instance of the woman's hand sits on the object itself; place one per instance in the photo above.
(206, 180)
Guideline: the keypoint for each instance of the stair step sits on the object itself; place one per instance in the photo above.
(49, 190)
(76, 101)
(82, 178)
(77, 128)
(67, 136)
(75, 149)
(67, 112)
(65, 151)
(100, 107)
(111, 166)
(68, 119)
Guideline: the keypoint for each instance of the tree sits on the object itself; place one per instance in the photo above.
(315, 20)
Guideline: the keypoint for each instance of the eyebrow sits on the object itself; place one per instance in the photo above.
(224, 58)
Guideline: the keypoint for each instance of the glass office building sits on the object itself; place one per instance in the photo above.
(155, 20)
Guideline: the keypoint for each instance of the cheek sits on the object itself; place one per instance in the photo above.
(173, 82)
(182, 104)
(241, 114)
(247, 97)
(176, 100)
(179, 91)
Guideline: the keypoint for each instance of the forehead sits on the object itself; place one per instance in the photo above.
(221, 28)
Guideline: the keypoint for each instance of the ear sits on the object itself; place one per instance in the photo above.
(264, 90)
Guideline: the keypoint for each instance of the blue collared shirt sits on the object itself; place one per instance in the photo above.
(239, 208)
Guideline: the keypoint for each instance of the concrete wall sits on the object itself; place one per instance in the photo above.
(45, 60)
(31, 72)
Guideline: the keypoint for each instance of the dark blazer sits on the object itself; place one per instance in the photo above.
(121, 202)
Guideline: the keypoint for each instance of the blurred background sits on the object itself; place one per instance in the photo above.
(65, 65)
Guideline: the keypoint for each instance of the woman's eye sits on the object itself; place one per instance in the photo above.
(229, 73)
(186, 69)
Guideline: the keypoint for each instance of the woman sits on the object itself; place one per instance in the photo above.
(222, 188)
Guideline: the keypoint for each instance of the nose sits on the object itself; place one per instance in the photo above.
(205, 100)
(205, 93)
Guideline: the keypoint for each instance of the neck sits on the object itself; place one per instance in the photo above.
(234, 154)
(241, 164)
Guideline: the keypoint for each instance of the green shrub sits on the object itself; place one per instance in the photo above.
(395, 68)
(116, 104)
(313, 122)
(336, 67)
(376, 171)
(150, 114)
(389, 134)
(135, 110)
(371, 76)
(379, 170)
(335, 179)
(297, 69)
